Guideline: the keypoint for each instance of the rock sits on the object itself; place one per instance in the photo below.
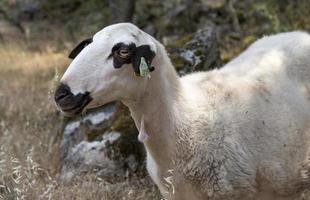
(103, 141)
(199, 53)
(81, 128)
(92, 156)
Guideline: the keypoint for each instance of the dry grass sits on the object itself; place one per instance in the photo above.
(29, 130)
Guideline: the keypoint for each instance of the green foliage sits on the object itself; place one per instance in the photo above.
(280, 15)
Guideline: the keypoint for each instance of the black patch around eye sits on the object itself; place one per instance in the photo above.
(80, 47)
(118, 62)
(135, 55)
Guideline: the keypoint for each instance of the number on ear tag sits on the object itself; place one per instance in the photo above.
(144, 69)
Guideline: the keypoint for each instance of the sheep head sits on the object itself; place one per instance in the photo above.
(113, 65)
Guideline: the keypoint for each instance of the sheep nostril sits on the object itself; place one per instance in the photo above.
(62, 91)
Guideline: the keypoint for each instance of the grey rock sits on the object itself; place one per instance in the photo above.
(201, 53)
(92, 156)
(75, 130)
(91, 145)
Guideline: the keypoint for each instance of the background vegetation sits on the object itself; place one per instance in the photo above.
(35, 38)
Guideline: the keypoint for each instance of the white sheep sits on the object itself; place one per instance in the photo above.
(240, 132)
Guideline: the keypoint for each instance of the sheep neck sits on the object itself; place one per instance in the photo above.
(158, 108)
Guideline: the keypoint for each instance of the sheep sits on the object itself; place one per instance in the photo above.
(239, 132)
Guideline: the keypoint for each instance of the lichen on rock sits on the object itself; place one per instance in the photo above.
(199, 53)
(102, 141)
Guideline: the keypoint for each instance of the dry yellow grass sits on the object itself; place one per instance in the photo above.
(29, 130)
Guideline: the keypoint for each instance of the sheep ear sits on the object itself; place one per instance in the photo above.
(80, 47)
(142, 59)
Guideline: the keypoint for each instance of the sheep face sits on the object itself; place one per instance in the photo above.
(106, 68)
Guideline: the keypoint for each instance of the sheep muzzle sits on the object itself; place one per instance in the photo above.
(69, 103)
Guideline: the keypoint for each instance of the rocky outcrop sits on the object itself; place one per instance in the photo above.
(195, 52)
(104, 142)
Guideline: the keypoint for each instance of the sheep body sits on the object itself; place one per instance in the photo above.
(242, 132)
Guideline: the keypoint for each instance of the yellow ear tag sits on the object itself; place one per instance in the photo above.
(144, 69)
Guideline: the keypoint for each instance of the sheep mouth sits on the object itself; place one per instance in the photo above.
(75, 108)
(71, 104)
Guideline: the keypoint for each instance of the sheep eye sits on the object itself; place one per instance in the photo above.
(123, 53)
